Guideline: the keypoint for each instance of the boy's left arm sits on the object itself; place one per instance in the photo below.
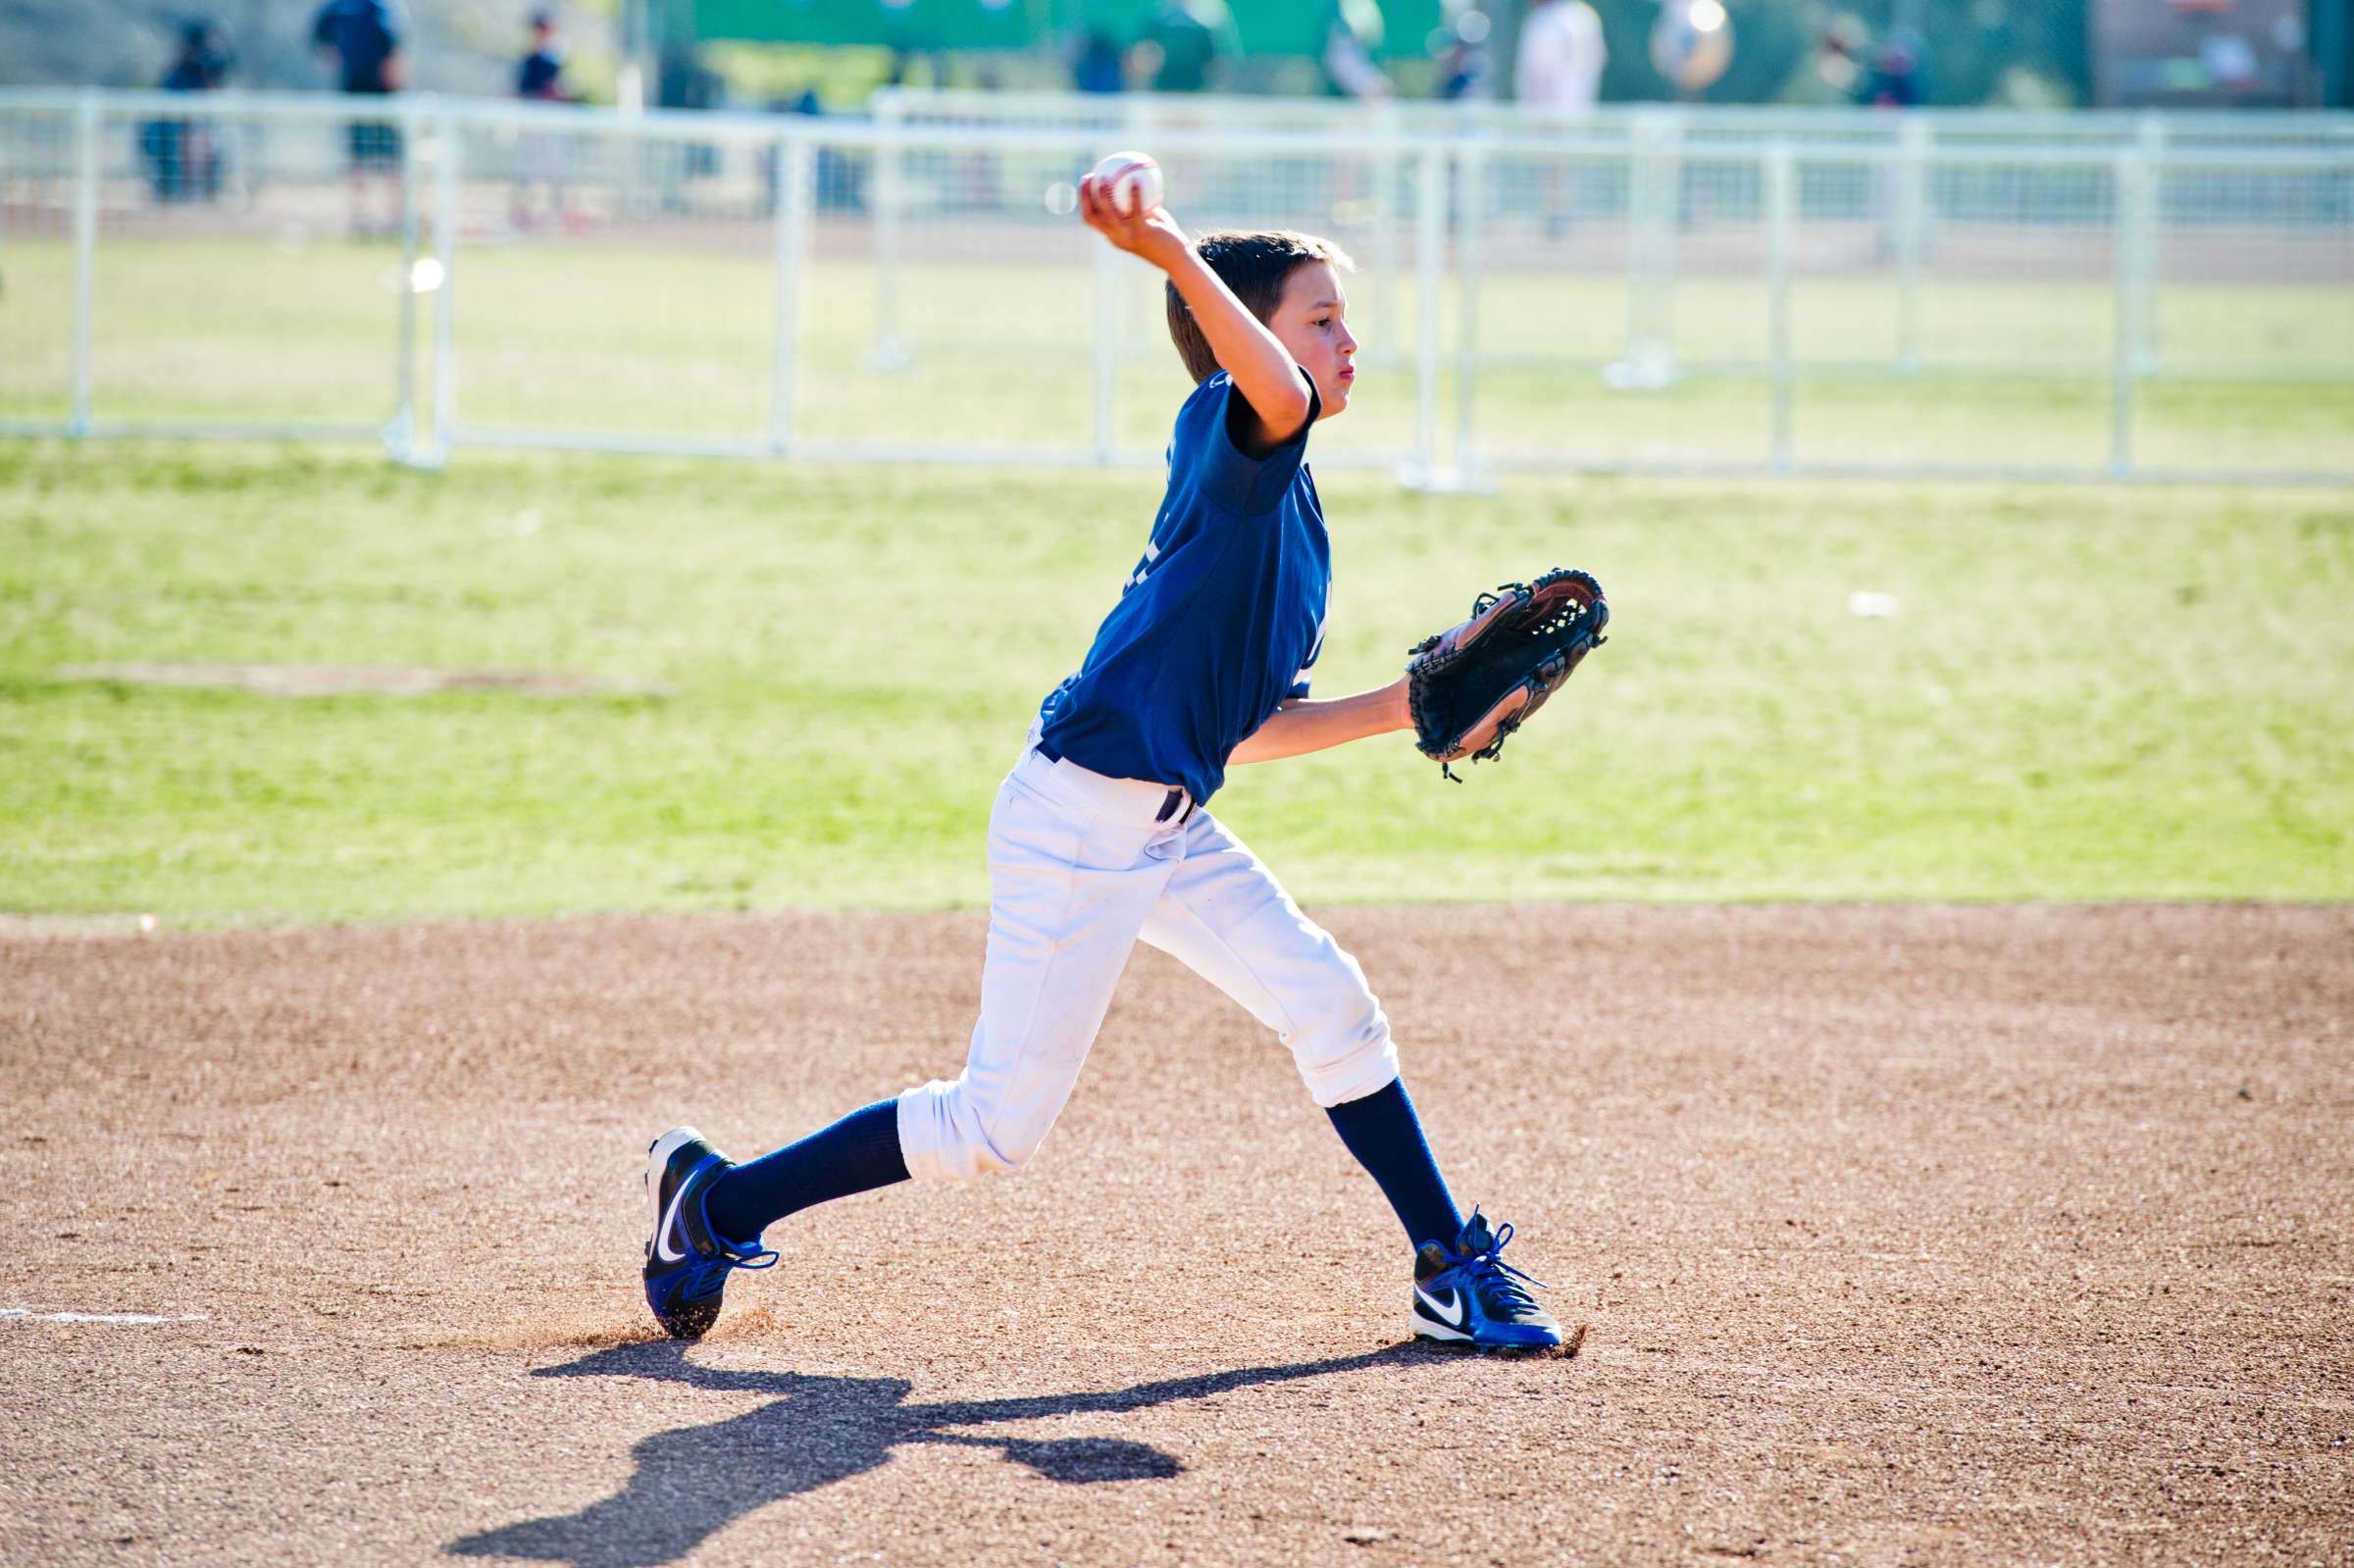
(1306, 724)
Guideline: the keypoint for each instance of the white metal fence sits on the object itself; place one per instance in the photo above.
(1144, 114)
(1650, 288)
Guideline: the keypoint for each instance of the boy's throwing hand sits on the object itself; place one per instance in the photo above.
(1151, 234)
(1266, 369)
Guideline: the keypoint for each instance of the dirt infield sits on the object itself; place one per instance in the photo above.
(1904, 1236)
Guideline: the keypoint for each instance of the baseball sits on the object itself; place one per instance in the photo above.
(1132, 179)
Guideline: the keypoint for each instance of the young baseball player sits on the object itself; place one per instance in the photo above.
(1100, 837)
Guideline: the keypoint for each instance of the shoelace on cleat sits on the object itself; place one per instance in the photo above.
(1498, 1281)
(758, 1258)
(752, 1256)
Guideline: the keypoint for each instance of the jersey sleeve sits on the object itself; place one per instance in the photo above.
(1205, 457)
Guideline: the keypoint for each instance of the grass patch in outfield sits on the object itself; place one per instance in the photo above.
(2088, 693)
(669, 338)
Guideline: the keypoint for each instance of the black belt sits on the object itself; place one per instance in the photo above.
(1168, 807)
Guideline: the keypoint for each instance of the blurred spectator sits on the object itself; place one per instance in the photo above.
(1898, 76)
(1095, 62)
(680, 81)
(1188, 37)
(841, 179)
(1559, 68)
(362, 39)
(1353, 30)
(539, 76)
(203, 61)
(1463, 52)
(1560, 56)
(183, 157)
(542, 159)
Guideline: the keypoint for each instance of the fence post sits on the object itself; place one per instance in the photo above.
(793, 237)
(2154, 146)
(1471, 183)
(1911, 219)
(1654, 196)
(445, 298)
(1430, 259)
(401, 436)
(2133, 220)
(85, 250)
(1385, 229)
(890, 353)
(1780, 175)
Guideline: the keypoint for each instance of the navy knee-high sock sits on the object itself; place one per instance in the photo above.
(856, 1155)
(1386, 1136)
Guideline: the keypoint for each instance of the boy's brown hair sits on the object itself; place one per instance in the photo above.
(1254, 262)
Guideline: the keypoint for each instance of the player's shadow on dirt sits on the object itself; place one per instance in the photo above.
(695, 1481)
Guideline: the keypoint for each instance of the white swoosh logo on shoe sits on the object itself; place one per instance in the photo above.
(1452, 1314)
(662, 1251)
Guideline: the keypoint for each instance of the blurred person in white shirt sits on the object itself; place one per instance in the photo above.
(1561, 56)
(1558, 68)
(1353, 30)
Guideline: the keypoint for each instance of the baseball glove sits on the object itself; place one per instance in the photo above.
(1474, 684)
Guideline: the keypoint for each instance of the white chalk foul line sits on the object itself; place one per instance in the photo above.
(30, 1315)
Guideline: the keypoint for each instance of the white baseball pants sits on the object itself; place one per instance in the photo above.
(1079, 870)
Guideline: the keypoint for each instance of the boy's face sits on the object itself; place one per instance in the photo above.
(1310, 321)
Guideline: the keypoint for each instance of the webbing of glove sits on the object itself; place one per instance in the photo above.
(1521, 641)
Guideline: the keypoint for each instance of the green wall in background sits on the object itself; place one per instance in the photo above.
(1266, 27)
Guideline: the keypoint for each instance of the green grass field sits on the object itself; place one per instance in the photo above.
(670, 340)
(2086, 694)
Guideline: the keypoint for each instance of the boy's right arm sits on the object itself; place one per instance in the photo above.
(1304, 725)
(1263, 371)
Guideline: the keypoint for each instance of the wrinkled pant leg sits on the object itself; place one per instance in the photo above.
(1067, 895)
(1224, 916)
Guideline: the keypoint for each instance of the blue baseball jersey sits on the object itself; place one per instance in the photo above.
(1220, 622)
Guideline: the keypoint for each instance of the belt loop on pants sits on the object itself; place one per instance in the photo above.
(1168, 807)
